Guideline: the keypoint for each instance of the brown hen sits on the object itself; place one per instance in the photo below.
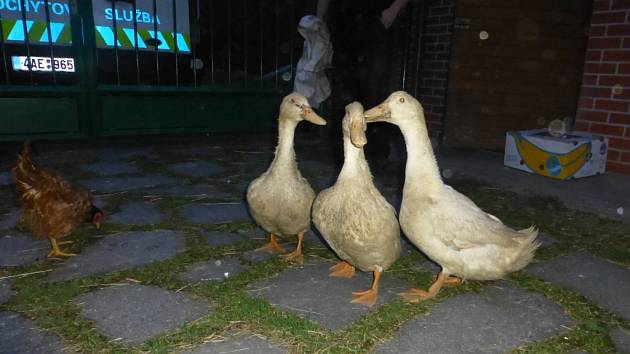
(51, 207)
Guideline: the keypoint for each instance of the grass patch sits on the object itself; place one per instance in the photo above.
(52, 307)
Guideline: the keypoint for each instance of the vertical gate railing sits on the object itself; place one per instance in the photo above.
(196, 46)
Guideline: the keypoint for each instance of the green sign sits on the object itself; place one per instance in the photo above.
(115, 23)
(16, 30)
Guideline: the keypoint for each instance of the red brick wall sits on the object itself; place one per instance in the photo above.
(604, 105)
(436, 43)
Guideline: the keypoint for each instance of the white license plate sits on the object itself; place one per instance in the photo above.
(22, 63)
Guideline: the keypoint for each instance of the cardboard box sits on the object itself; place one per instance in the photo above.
(573, 155)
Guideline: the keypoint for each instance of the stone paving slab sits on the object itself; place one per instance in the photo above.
(621, 338)
(9, 220)
(20, 335)
(198, 151)
(120, 184)
(137, 213)
(257, 256)
(497, 320)
(18, 249)
(5, 291)
(254, 234)
(5, 178)
(111, 168)
(135, 313)
(222, 238)
(196, 168)
(214, 213)
(212, 270)
(116, 252)
(124, 154)
(599, 280)
(308, 291)
(197, 190)
(241, 344)
(546, 240)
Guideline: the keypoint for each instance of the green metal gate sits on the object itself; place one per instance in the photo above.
(224, 72)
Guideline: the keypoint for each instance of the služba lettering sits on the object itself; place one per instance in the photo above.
(127, 15)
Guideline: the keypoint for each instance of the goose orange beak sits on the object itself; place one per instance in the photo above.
(380, 113)
(357, 135)
(310, 115)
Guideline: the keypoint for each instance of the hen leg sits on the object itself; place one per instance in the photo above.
(296, 256)
(56, 252)
(415, 295)
(368, 297)
(273, 246)
(342, 269)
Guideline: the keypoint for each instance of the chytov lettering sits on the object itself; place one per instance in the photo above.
(35, 6)
(127, 15)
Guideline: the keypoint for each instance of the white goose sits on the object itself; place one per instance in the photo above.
(280, 199)
(444, 224)
(354, 218)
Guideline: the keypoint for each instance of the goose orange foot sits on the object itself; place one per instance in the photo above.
(342, 269)
(367, 297)
(417, 295)
(296, 256)
(414, 295)
(273, 246)
(451, 281)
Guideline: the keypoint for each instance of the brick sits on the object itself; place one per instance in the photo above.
(593, 55)
(581, 126)
(608, 17)
(623, 69)
(620, 4)
(618, 118)
(446, 19)
(600, 92)
(612, 80)
(618, 167)
(437, 29)
(627, 132)
(586, 103)
(592, 116)
(601, 6)
(589, 80)
(623, 93)
(430, 38)
(432, 117)
(625, 157)
(620, 144)
(439, 91)
(605, 129)
(597, 31)
(604, 43)
(432, 20)
(434, 65)
(611, 105)
(613, 155)
(618, 30)
(600, 68)
(616, 55)
(444, 10)
(430, 100)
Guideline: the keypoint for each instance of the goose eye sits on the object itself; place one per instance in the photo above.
(402, 100)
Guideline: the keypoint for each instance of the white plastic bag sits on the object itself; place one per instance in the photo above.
(310, 78)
